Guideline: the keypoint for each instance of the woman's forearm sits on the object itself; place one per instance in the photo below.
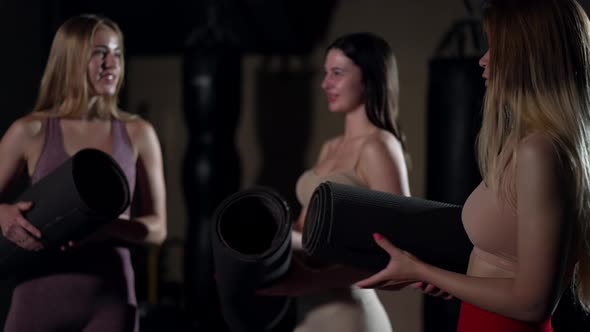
(142, 230)
(499, 295)
(306, 277)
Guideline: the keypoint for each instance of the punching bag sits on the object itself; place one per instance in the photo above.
(212, 94)
(455, 95)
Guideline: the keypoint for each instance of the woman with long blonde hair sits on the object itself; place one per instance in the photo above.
(90, 286)
(529, 218)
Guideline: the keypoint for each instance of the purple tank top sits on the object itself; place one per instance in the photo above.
(101, 267)
(53, 153)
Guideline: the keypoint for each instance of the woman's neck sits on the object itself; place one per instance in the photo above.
(91, 113)
(357, 124)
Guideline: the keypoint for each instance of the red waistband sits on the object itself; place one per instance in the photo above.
(472, 319)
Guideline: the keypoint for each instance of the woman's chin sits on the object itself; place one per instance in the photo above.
(105, 93)
(335, 109)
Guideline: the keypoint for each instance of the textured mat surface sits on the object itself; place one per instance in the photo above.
(83, 193)
(341, 220)
(251, 244)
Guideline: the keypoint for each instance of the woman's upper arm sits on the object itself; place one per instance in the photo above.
(544, 226)
(382, 165)
(150, 177)
(13, 149)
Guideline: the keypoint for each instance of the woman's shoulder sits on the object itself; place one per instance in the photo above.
(538, 152)
(24, 134)
(133, 122)
(28, 126)
(381, 141)
(125, 116)
(381, 149)
(139, 129)
(537, 146)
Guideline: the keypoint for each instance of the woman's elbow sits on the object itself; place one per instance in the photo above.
(536, 316)
(158, 233)
(161, 235)
(535, 311)
(159, 238)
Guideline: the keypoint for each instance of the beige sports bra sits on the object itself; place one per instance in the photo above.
(309, 180)
(492, 228)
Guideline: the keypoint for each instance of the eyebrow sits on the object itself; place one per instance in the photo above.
(106, 46)
(336, 68)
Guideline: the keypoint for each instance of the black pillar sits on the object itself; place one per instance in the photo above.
(212, 93)
(455, 96)
(283, 122)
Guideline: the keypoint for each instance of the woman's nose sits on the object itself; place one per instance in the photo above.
(483, 61)
(325, 82)
(109, 60)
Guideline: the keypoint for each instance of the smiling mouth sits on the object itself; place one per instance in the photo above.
(108, 77)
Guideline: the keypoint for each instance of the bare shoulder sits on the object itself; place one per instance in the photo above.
(539, 168)
(139, 129)
(24, 137)
(143, 137)
(536, 150)
(26, 128)
(382, 144)
(382, 164)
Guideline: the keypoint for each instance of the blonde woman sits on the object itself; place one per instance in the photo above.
(91, 286)
(528, 219)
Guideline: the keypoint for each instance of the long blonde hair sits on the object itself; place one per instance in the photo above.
(540, 81)
(65, 86)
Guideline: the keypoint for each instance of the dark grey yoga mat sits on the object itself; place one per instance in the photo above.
(251, 242)
(341, 219)
(85, 192)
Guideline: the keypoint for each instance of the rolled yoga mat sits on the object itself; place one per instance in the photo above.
(341, 219)
(251, 245)
(85, 192)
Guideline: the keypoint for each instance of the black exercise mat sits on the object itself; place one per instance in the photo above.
(341, 220)
(251, 244)
(86, 191)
